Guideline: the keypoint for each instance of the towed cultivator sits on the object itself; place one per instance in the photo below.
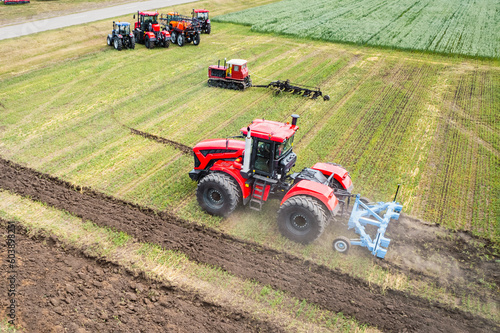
(234, 75)
(364, 214)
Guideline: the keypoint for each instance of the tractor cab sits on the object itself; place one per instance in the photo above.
(147, 21)
(121, 28)
(202, 16)
(237, 69)
(270, 148)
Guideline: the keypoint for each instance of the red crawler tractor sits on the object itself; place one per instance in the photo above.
(250, 172)
(234, 75)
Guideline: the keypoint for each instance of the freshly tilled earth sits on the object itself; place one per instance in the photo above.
(395, 311)
(64, 290)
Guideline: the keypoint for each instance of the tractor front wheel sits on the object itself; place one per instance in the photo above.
(132, 43)
(173, 37)
(149, 44)
(218, 194)
(196, 39)
(166, 43)
(302, 219)
(108, 40)
(118, 44)
(180, 40)
(209, 29)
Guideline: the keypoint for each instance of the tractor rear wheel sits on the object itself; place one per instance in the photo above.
(118, 44)
(196, 39)
(108, 40)
(218, 194)
(173, 37)
(302, 219)
(180, 40)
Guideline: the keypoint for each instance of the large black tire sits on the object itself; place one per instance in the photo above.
(180, 40)
(117, 42)
(209, 29)
(108, 40)
(166, 43)
(149, 44)
(196, 39)
(302, 219)
(132, 43)
(218, 194)
(173, 37)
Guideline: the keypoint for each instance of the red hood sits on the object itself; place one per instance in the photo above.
(220, 144)
(156, 27)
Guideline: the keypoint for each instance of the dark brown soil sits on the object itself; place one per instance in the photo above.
(183, 148)
(394, 311)
(63, 290)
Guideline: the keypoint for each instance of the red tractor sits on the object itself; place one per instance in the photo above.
(147, 30)
(233, 75)
(202, 16)
(250, 172)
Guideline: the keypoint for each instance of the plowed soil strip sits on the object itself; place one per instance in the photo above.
(64, 290)
(395, 311)
(183, 148)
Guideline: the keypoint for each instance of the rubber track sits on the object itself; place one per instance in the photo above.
(395, 311)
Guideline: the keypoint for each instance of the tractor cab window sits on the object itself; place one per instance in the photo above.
(125, 29)
(236, 68)
(263, 157)
(202, 16)
(282, 149)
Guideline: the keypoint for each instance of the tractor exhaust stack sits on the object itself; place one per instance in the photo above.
(248, 152)
(295, 117)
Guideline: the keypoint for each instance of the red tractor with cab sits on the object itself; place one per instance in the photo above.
(202, 16)
(233, 75)
(231, 172)
(147, 30)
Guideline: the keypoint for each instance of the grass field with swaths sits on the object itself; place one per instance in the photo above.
(428, 122)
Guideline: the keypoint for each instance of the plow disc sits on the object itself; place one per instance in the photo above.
(286, 86)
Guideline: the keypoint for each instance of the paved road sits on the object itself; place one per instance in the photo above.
(28, 28)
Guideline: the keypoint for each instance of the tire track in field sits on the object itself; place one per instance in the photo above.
(394, 311)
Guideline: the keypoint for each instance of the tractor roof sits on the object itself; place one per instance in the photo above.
(270, 130)
(237, 62)
(201, 11)
(148, 13)
(123, 23)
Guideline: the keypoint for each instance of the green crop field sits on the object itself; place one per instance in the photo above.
(430, 122)
(427, 123)
(467, 27)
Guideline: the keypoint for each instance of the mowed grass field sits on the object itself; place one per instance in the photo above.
(465, 27)
(427, 122)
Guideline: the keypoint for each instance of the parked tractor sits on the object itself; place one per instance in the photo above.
(234, 75)
(250, 172)
(202, 16)
(121, 37)
(147, 30)
(182, 29)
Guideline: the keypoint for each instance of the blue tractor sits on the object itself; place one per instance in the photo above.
(121, 37)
